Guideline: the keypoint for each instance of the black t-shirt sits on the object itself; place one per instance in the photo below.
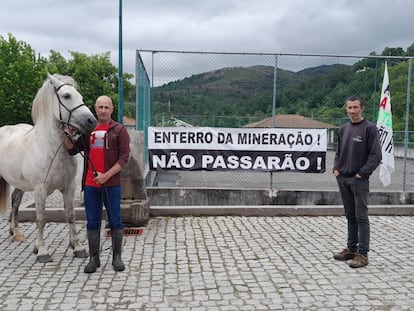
(358, 149)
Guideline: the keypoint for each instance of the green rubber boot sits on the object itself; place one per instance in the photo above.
(117, 236)
(94, 245)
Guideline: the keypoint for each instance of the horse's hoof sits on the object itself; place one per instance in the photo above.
(44, 258)
(81, 254)
(19, 238)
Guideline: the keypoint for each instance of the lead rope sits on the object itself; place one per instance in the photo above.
(50, 165)
(86, 157)
(88, 160)
(67, 124)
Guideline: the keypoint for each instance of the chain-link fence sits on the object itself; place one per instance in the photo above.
(206, 89)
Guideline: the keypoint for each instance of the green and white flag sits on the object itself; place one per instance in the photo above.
(384, 125)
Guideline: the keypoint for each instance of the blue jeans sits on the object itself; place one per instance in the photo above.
(95, 198)
(354, 194)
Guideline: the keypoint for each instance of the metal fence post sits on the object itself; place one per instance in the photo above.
(407, 119)
(274, 109)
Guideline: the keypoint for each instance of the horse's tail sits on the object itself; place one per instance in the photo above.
(4, 194)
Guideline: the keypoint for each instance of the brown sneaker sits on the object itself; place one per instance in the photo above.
(345, 254)
(359, 261)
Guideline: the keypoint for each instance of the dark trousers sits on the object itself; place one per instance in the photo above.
(354, 194)
(95, 198)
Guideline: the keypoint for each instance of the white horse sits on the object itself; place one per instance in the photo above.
(34, 158)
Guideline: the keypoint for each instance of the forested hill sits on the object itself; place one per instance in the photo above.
(247, 92)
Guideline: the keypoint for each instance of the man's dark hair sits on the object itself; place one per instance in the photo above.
(355, 98)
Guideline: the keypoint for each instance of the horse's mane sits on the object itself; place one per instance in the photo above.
(45, 96)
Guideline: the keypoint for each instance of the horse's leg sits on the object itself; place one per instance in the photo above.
(15, 231)
(78, 250)
(40, 248)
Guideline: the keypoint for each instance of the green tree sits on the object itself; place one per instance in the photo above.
(95, 75)
(410, 50)
(22, 74)
(57, 63)
(393, 51)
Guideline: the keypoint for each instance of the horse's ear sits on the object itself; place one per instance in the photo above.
(56, 83)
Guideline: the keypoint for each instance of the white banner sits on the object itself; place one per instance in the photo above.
(264, 149)
(384, 125)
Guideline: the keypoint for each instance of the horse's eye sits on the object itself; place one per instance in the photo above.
(66, 96)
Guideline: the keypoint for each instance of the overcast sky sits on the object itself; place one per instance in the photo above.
(344, 27)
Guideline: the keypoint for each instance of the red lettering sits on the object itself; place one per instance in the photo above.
(383, 103)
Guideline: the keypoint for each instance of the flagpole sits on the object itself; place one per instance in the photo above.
(120, 71)
(375, 89)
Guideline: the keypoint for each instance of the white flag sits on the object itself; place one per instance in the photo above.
(384, 125)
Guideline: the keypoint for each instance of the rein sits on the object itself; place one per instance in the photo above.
(56, 89)
(50, 165)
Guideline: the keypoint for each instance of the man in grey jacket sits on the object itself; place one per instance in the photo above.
(358, 154)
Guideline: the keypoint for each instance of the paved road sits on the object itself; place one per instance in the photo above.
(216, 263)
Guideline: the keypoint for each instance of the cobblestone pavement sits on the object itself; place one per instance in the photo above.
(215, 263)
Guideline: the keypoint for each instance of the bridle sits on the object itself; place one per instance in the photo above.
(61, 104)
(63, 124)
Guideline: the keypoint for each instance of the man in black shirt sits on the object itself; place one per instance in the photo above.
(357, 155)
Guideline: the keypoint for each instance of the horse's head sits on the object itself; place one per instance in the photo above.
(72, 111)
(59, 96)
